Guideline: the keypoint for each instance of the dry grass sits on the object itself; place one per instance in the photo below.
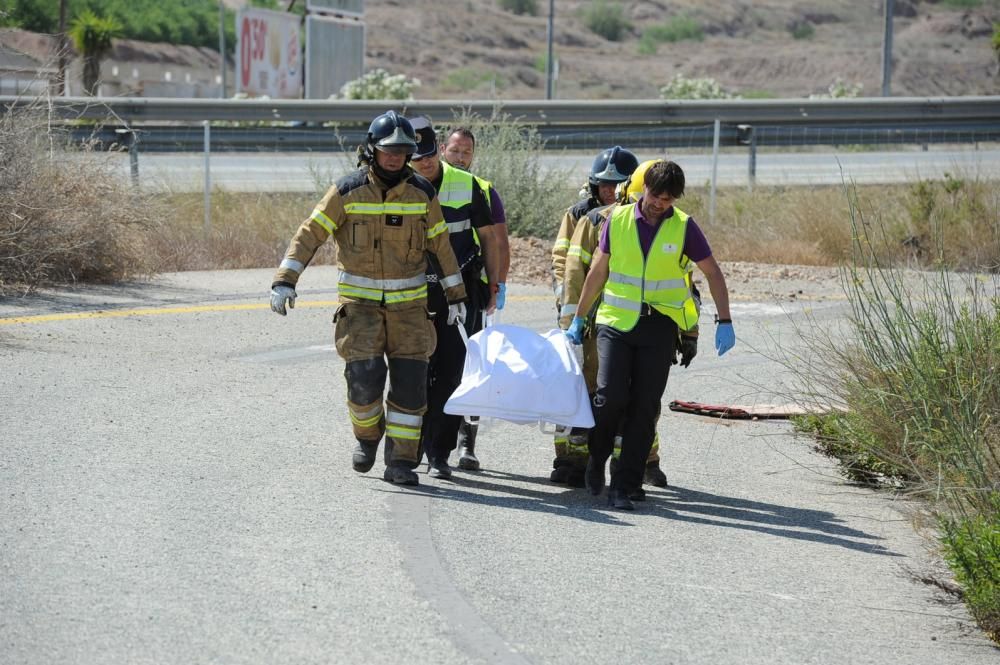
(66, 217)
(953, 222)
(928, 223)
(247, 231)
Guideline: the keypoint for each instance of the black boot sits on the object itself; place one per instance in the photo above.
(363, 457)
(400, 475)
(594, 476)
(654, 475)
(636, 494)
(438, 468)
(618, 498)
(467, 445)
(577, 475)
(560, 473)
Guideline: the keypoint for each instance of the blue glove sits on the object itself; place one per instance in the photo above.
(725, 337)
(501, 295)
(575, 332)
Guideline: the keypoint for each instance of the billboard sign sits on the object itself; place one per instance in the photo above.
(269, 54)
(336, 54)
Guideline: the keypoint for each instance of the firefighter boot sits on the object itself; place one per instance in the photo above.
(467, 445)
(577, 476)
(654, 475)
(561, 470)
(363, 458)
(400, 475)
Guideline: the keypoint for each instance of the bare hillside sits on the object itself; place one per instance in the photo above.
(779, 48)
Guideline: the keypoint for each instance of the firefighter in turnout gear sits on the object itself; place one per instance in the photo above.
(470, 231)
(609, 169)
(385, 219)
(579, 255)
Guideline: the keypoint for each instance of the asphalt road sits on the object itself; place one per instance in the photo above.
(176, 488)
(276, 171)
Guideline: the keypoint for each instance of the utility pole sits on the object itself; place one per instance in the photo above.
(63, 46)
(887, 51)
(222, 47)
(549, 62)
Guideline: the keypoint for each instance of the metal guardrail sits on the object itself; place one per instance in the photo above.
(537, 112)
(320, 139)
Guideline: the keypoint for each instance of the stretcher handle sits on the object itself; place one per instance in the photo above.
(556, 428)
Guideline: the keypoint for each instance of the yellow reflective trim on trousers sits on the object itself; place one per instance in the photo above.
(320, 218)
(366, 422)
(437, 230)
(406, 296)
(386, 208)
(562, 243)
(403, 432)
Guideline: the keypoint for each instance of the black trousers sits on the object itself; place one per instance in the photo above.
(439, 434)
(632, 374)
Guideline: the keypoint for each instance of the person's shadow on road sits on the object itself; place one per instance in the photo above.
(673, 503)
(819, 526)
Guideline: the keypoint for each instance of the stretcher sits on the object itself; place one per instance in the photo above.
(515, 374)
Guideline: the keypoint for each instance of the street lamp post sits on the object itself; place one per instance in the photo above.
(222, 47)
(549, 64)
(887, 51)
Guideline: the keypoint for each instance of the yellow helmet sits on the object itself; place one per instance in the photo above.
(631, 190)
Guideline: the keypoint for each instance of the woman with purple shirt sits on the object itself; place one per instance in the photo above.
(647, 298)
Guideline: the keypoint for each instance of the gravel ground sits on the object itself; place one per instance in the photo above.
(531, 264)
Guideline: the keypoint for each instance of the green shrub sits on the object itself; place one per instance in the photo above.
(676, 29)
(468, 79)
(508, 154)
(529, 7)
(681, 87)
(972, 549)
(380, 84)
(840, 89)
(916, 372)
(647, 45)
(606, 19)
(802, 30)
(847, 438)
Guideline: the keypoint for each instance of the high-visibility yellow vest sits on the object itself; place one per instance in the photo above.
(660, 279)
(455, 196)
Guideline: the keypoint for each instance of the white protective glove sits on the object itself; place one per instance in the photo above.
(456, 313)
(280, 295)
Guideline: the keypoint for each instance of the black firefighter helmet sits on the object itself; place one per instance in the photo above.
(391, 132)
(614, 165)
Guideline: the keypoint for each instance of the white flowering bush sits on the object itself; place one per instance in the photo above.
(380, 84)
(840, 89)
(681, 87)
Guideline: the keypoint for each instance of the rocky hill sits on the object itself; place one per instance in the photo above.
(764, 48)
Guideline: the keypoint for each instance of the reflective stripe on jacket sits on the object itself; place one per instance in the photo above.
(382, 235)
(659, 279)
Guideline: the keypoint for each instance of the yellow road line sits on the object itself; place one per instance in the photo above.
(155, 311)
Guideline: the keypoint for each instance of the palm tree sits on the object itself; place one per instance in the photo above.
(92, 35)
